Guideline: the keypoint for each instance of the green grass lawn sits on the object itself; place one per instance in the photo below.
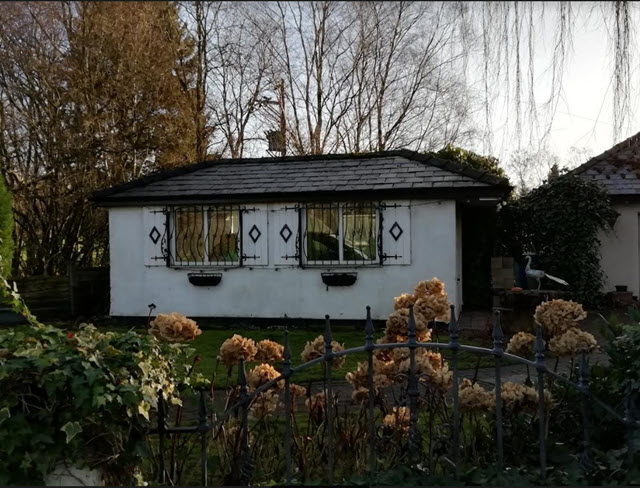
(208, 346)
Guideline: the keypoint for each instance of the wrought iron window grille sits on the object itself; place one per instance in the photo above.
(341, 234)
(205, 235)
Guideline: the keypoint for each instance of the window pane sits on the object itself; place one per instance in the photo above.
(322, 233)
(223, 234)
(359, 228)
(189, 235)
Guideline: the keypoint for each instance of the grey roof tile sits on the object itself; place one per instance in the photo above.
(380, 171)
(617, 169)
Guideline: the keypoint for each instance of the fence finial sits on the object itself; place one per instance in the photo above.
(412, 327)
(327, 330)
(369, 330)
(453, 326)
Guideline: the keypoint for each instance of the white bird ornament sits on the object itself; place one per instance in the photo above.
(539, 274)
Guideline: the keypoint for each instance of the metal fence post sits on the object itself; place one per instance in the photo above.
(497, 352)
(244, 427)
(584, 384)
(453, 342)
(286, 372)
(412, 391)
(162, 427)
(541, 367)
(368, 329)
(328, 354)
(203, 427)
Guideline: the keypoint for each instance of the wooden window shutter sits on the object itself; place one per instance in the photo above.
(154, 222)
(285, 235)
(255, 241)
(395, 233)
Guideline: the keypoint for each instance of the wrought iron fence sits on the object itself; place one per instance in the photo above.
(241, 407)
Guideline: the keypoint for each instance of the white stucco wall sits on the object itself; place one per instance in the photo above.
(620, 249)
(275, 292)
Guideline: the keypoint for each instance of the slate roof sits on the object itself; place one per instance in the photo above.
(399, 173)
(617, 169)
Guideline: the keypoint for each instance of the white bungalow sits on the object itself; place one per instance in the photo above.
(618, 171)
(293, 237)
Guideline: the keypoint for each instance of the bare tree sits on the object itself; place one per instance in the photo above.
(89, 98)
(368, 76)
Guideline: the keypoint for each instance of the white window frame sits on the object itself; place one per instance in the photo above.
(341, 262)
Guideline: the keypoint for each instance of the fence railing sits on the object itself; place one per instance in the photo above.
(628, 418)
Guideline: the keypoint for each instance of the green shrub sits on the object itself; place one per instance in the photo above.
(83, 397)
(469, 158)
(6, 230)
(560, 221)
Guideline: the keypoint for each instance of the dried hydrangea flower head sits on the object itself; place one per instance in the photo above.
(315, 349)
(405, 300)
(398, 324)
(398, 420)
(269, 351)
(432, 301)
(574, 341)
(383, 372)
(263, 373)
(558, 316)
(429, 287)
(522, 344)
(297, 390)
(473, 398)
(440, 379)
(236, 348)
(265, 404)
(521, 398)
(174, 327)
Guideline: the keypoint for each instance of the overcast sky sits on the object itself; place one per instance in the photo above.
(584, 116)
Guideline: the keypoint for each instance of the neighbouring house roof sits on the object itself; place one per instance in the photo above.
(394, 173)
(617, 169)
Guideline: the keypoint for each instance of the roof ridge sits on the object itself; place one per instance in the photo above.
(602, 156)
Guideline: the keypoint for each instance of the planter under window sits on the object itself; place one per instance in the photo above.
(205, 279)
(339, 279)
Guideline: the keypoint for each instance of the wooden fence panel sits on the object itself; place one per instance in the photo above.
(83, 292)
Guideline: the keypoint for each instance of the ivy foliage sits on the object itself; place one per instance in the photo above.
(560, 222)
(469, 158)
(83, 397)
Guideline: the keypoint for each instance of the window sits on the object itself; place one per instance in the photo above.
(206, 235)
(341, 233)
